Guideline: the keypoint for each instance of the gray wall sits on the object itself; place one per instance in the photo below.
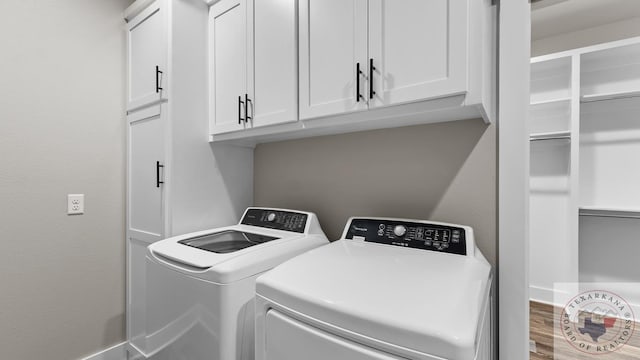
(444, 172)
(591, 36)
(62, 130)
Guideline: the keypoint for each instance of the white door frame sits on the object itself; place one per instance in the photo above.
(513, 179)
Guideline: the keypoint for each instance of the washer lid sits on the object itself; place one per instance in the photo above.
(264, 238)
(426, 301)
(220, 256)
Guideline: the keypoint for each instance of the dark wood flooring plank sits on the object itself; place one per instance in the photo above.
(541, 329)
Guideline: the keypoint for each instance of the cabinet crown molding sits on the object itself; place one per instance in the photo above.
(136, 8)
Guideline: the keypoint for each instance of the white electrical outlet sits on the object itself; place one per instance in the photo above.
(75, 204)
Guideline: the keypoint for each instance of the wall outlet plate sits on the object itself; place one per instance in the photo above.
(75, 204)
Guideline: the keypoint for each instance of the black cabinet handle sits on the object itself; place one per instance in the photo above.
(158, 166)
(240, 103)
(358, 74)
(158, 73)
(371, 68)
(246, 108)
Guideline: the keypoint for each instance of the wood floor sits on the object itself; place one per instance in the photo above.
(542, 324)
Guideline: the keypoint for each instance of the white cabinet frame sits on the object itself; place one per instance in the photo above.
(513, 180)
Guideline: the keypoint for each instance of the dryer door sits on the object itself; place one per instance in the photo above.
(289, 339)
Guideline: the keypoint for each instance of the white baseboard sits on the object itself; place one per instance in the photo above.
(134, 353)
(116, 352)
(547, 296)
(541, 295)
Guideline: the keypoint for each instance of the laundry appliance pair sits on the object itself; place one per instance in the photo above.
(272, 287)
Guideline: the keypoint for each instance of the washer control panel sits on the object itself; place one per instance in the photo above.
(275, 219)
(417, 235)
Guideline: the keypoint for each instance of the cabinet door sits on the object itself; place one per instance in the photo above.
(273, 61)
(146, 158)
(228, 61)
(418, 49)
(147, 41)
(333, 40)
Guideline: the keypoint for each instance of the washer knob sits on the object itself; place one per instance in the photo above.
(271, 217)
(399, 230)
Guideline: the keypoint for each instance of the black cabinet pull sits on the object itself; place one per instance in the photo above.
(158, 166)
(371, 68)
(240, 103)
(246, 108)
(358, 73)
(158, 73)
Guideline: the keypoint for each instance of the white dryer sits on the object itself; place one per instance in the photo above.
(389, 289)
(201, 286)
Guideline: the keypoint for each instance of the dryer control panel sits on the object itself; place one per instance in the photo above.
(275, 219)
(417, 235)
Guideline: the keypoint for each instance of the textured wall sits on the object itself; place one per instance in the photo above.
(444, 172)
(62, 130)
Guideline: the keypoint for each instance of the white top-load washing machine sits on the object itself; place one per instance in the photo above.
(201, 286)
(389, 289)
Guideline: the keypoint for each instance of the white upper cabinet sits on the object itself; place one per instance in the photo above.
(333, 56)
(253, 64)
(417, 50)
(147, 56)
(361, 65)
(367, 54)
(228, 83)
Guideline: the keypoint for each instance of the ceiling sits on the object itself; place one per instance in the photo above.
(554, 17)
